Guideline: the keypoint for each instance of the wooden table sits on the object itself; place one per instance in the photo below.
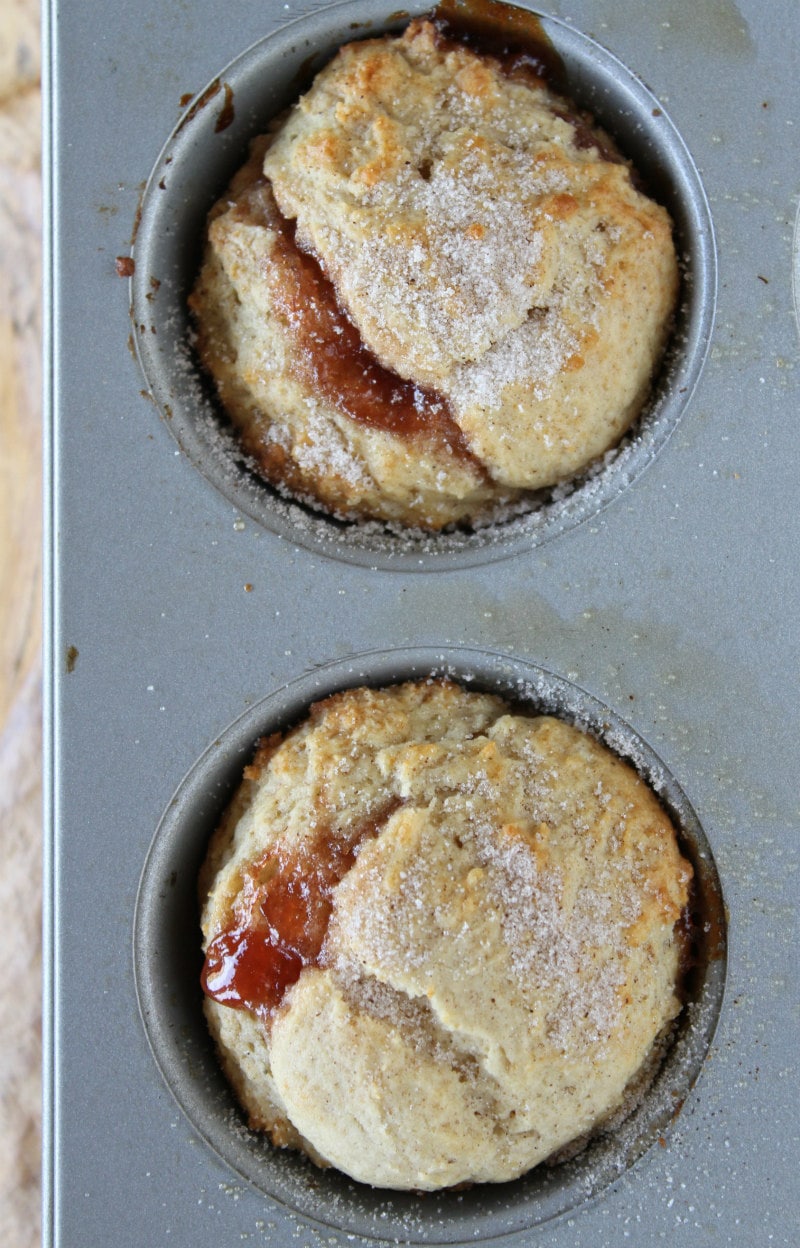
(20, 628)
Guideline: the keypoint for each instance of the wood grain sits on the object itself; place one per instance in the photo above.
(20, 629)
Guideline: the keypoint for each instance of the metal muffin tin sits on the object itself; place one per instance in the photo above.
(192, 172)
(656, 607)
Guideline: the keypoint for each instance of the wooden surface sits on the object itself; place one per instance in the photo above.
(20, 630)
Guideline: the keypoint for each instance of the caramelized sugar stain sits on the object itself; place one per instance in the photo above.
(514, 37)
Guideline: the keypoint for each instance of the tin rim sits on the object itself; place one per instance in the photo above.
(195, 165)
(167, 961)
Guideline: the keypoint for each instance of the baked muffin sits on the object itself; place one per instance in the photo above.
(434, 289)
(443, 939)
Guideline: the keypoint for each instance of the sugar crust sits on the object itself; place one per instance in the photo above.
(481, 248)
(502, 961)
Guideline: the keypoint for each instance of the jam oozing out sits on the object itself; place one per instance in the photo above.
(513, 36)
(281, 920)
(337, 363)
(244, 970)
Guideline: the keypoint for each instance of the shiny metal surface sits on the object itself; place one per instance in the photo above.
(174, 608)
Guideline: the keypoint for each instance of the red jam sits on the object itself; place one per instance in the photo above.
(281, 921)
(339, 366)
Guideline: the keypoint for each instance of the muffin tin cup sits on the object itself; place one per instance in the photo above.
(168, 960)
(210, 143)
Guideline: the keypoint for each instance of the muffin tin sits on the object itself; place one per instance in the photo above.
(655, 607)
(182, 188)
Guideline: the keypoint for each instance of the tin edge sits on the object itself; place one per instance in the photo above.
(48, 1094)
